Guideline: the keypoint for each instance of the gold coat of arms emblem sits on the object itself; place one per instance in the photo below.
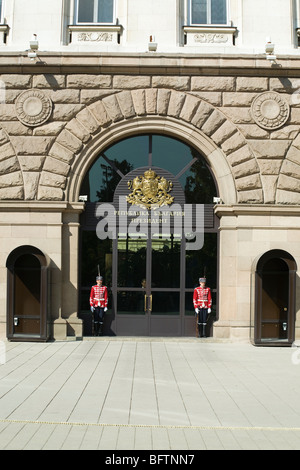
(150, 191)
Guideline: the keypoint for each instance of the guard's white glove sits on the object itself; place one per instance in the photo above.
(92, 309)
(105, 309)
(197, 310)
(208, 310)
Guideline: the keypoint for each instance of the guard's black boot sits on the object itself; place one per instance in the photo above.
(96, 329)
(203, 330)
(100, 331)
(199, 330)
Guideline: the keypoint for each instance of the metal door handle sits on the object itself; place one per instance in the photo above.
(149, 303)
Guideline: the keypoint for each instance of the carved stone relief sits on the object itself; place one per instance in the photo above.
(210, 38)
(33, 107)
(95, 36)
(270, 110)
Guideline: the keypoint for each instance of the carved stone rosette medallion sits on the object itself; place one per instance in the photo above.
(270, 111)
(33, 107)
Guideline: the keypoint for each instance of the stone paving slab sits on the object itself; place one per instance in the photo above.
(149, 394)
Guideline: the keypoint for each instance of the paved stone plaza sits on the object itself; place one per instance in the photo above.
(149, 394)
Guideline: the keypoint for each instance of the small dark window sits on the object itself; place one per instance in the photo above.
(208, 11)
(95, 11)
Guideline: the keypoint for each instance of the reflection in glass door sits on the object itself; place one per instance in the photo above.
(165, 285)
(131, 275)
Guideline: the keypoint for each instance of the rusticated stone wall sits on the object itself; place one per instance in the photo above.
(47, 120)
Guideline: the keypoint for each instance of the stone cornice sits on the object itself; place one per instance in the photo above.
(209, 28)
(96, 27)
(263, 210)
(145, 63)
(41, 206)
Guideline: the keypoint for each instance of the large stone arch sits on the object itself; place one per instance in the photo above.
(173, 112)
(161, 125)
(11, 177)
(288, 184)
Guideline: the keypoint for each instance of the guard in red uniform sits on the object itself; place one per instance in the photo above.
(98, 303)
(202, 304)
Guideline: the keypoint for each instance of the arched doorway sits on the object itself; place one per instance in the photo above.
(150, 279)
(275, 281)
(27, 298)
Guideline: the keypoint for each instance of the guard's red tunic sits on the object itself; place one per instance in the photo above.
(202, 297)
(98, 296)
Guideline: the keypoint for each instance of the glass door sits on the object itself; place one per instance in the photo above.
(148, 285)
(131, 286)
(165, 285)
(131, 275)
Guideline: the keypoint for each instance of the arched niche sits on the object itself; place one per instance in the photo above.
(274, 300)
(27, 294)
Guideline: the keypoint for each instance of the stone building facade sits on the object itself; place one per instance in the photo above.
(238, 109)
